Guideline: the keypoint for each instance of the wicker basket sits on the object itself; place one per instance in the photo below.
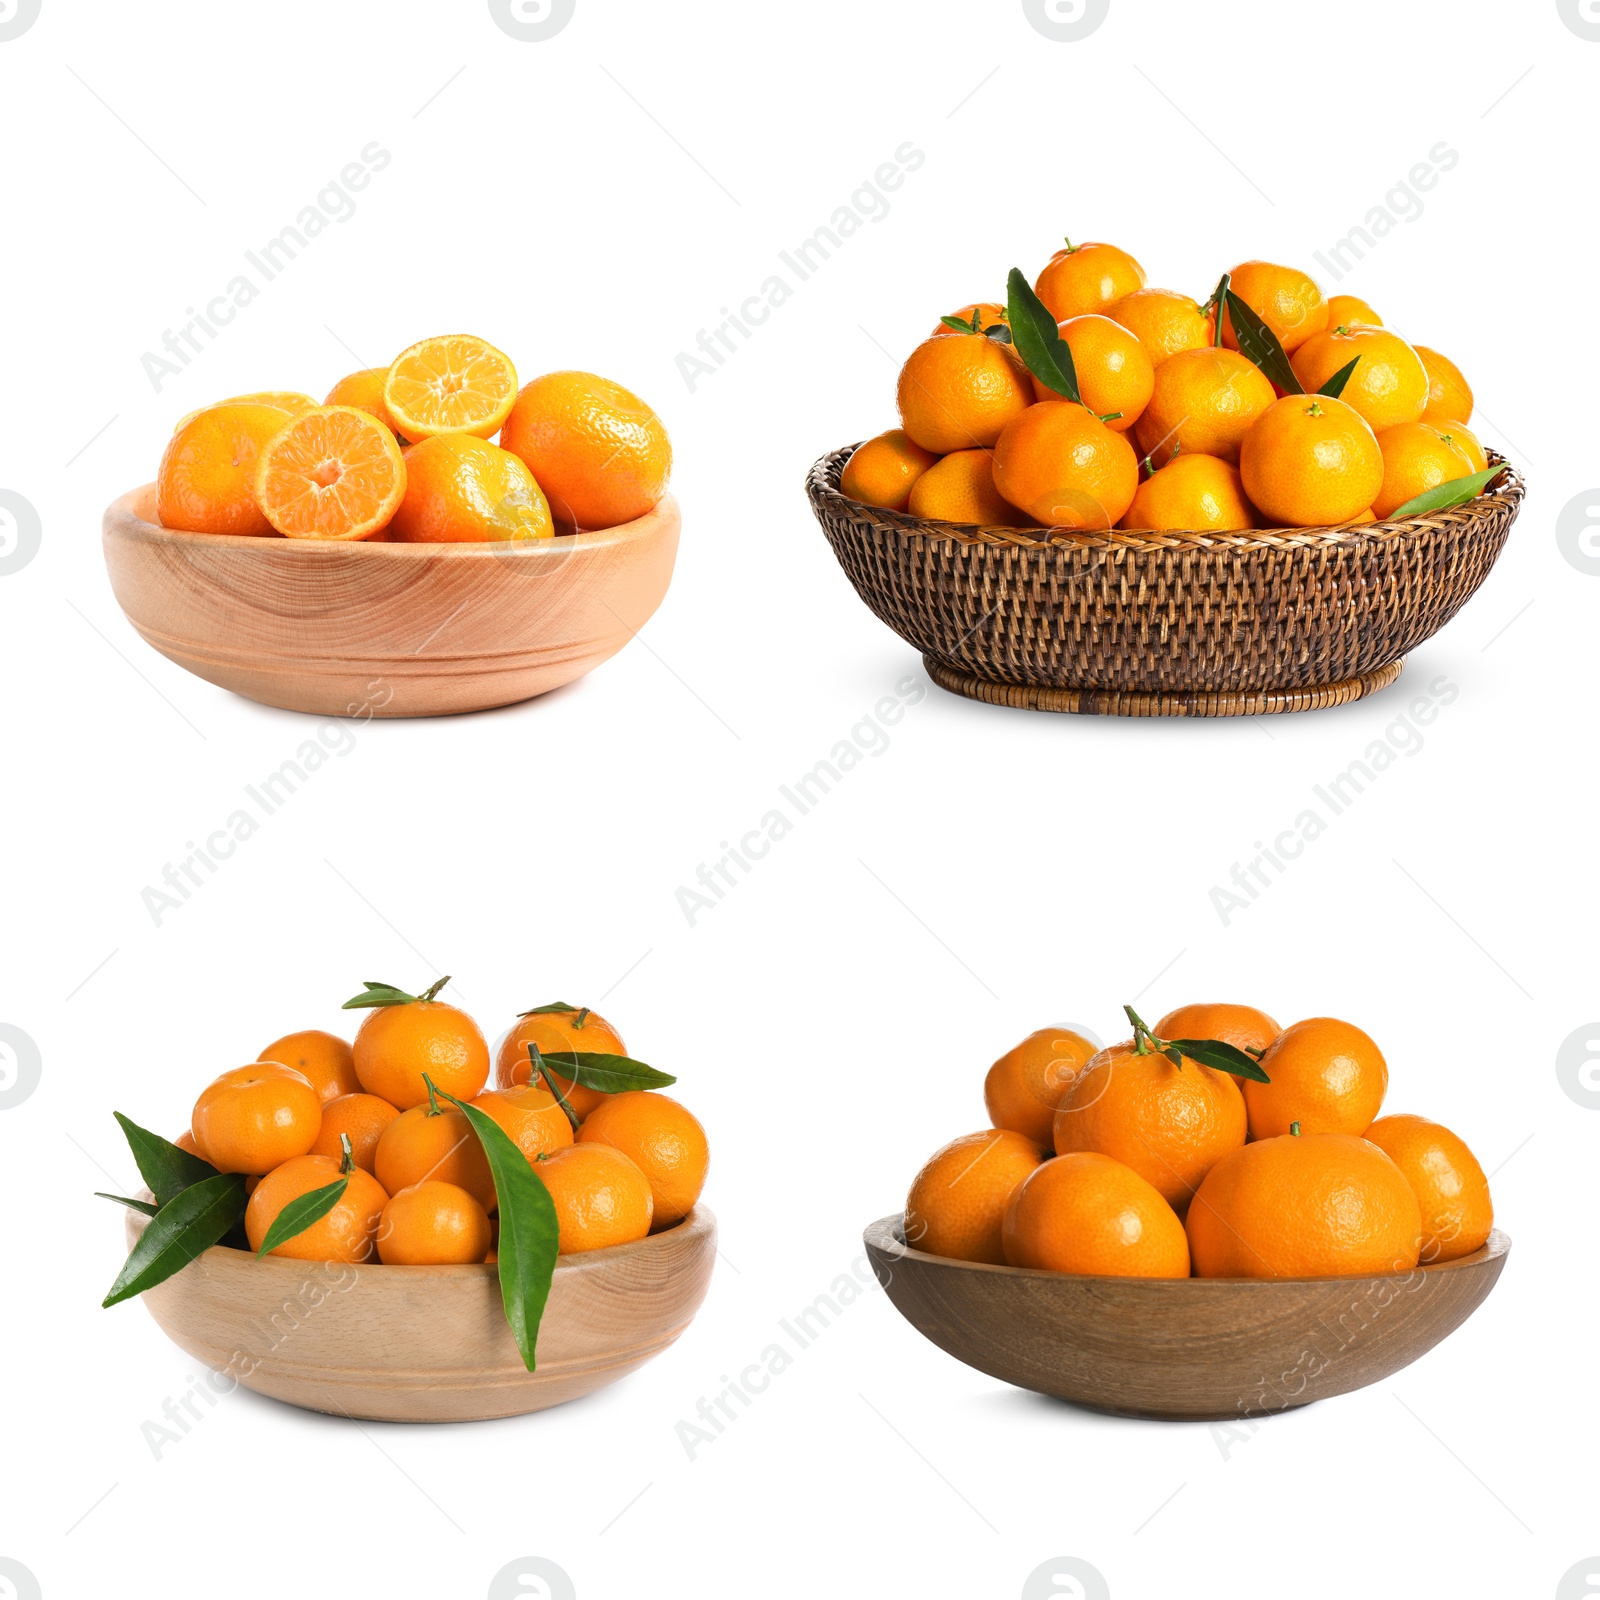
(1160, 624)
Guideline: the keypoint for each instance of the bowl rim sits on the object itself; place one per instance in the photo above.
(696, 1228)
(888, 1234)
(122, 520)
(822, 483)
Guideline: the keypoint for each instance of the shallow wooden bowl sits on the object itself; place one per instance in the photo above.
(1188, 1348)
(430, 1344)
(386, 630)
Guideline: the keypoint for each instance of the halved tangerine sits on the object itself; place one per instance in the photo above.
(334, 473)
(451, 384)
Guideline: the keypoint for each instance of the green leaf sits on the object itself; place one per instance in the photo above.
(559, 1008)
(530, 1236)
(378, 994)
(1038, 339)
(185, 1227)
(1220, 1057)
(609, 1074)
(166, 1169)
(1258, 343)
(961, 325)
(1455, 493)
(1334, 387)
(300, 1213)
(122, 1200)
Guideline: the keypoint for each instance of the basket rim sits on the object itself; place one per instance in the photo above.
(822, 485)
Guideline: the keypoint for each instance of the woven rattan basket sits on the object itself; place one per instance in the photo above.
(1152, 624)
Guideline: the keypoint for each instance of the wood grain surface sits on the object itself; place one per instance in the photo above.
(430, 1344)
(1186, 1348)
(388, 630)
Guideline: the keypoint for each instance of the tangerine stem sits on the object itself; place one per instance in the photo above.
(540, 1070)
(429, 994)
(347, 1160)
(433, 1096)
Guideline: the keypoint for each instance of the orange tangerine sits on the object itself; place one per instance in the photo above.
(1115, 374)
(960, 487)
(1191, 494)
(1449, 393)
(1202, 404)
(1285, 298)
(454, 383)
(1085, 278)
(206, 481)
(1416, 457)
(1163, 321)
(1065, 468)
(332, 473)
(461, 489)
(1389, 385)
(1310, 461)
(882, 471)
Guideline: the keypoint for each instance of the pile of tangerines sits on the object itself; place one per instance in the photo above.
(392, 1116)
(403, 453)
(1216, 1144)
(1090, 401)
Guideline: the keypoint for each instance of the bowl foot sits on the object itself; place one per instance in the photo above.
(1164, 702)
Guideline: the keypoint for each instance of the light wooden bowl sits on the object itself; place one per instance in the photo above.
(1186, 1348)
(430, 1344)
(386, 630)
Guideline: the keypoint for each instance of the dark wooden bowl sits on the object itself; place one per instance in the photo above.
(1180, 1348)
(1164, 624)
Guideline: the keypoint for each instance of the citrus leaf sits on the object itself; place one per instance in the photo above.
(378, 994)
(999, 332)
(609, 1074)
(1455, 493)
(183, 1228)
(560, 1007)
(530, 1236)
(166, 1169)
(1038, 340)
(1258, 343)
(1334, 387)
(1220, 1057)
(300, 1213)
(122, 1200)
(961, 325)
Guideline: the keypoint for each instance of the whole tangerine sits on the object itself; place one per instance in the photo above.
(663, 1139)
(957, 1203)
(1327, 1076)
(1307, 1205)
(1086, 1213)
(252, 1119)
(346, 1233)
(1065, 468)
(1023, 1089)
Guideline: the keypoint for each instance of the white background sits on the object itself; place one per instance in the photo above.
(594, 200)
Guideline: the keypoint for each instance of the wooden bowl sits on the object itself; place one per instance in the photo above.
(1164, 624)
(386, 630)
(1180, 1348)
(430, 1344)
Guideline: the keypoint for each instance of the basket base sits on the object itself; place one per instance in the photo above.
(1162, 703)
